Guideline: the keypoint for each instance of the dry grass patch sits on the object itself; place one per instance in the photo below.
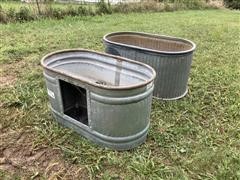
(20, 156)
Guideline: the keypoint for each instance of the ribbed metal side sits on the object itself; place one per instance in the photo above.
(120, 116)
(172, 69)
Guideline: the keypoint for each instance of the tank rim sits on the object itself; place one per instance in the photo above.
(108, 87)
(105, 39)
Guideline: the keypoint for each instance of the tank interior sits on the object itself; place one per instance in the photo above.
(107, 75)
(154, 43)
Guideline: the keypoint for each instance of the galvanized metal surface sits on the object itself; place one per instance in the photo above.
(103, 97)
(171, 58)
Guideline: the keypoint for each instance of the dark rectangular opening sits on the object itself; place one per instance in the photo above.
(74, 101)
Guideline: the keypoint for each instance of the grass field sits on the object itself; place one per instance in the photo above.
(197, 137)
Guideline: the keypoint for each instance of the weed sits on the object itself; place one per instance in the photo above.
(234, 4)
(3, 16)
(103, 8)
(24, 14)
(83, 11)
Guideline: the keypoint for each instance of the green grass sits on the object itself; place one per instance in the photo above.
(197, 137)
(17, 5)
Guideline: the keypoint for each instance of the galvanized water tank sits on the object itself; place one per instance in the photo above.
(171, 57)
(105, 98)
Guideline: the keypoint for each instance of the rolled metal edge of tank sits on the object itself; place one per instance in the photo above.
(45, 66)
(106, 40)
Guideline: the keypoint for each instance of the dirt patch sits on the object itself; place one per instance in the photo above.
(10, 72)
(7, 80)
(18, 155)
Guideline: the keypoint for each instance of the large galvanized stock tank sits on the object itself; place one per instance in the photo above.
(105, 98)
(171, 57)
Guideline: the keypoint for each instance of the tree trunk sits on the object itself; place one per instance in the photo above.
(39, 10)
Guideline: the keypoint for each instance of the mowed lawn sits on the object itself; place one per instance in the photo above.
(197, 137)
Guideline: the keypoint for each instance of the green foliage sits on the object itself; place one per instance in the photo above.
(103, 8)
(18, 12)
(83, 11)
(159, 6)
(71, 11)
(3, 16)
(10, 0)
(11, 13)
(91, 11)
(24, 14)
(59, 13)
(55, 13)
(146, 6)
(191, 4)
(234, 4)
